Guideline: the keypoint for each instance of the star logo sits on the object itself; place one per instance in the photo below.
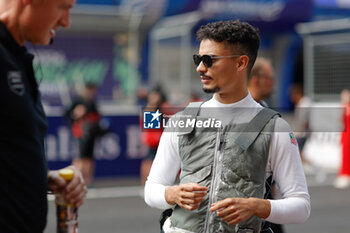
(156, 115)
(151, 120)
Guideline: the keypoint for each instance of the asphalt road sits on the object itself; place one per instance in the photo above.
(122, 210)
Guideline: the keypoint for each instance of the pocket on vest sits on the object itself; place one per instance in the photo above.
(198, 176)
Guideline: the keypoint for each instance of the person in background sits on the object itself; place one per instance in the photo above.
(343, 179)
(260, 85)
(155, 100)
(224, 168)
(25, 179)
(301, 118)
(85, 120)
(261, 80)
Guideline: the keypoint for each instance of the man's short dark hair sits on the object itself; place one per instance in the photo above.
(239, 35)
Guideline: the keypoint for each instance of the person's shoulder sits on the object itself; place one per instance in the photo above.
(281, 125)
(3, 52)
(6, 62)
(305, 102)
(6, 58)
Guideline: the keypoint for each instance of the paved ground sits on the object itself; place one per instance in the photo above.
(115, 206)
(329, 214)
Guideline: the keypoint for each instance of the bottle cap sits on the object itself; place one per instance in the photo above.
(66, 173)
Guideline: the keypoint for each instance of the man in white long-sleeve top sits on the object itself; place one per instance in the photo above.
(224, 168)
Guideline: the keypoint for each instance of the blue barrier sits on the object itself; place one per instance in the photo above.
(117, 153)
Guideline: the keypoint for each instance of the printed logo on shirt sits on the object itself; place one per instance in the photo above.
(15, 82)
(293, 139)
(151, 120)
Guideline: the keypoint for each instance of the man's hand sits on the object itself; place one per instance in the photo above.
(75, 189)
(235, 210)
(187, 196)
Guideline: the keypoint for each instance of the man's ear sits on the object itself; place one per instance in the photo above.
(242, 62)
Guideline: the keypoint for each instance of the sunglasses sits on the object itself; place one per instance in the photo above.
(208, 59)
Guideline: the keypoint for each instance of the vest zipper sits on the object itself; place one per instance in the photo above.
(220, 139)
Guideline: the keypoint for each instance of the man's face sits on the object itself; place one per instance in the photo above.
(220, 77)
(42, 18)
(266, 81)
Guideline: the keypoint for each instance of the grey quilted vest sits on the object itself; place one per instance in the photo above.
(230, 161)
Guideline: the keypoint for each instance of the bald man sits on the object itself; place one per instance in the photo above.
(261, 80)
(25, 179)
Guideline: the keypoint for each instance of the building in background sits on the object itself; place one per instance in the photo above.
(124, 45)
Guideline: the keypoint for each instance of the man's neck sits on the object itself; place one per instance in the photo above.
(254, 94)
(9, 15)
(229, 98)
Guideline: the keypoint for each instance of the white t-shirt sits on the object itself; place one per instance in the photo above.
(284, 163)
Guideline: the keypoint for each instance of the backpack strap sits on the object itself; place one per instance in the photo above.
(254, 128)
(191, 111)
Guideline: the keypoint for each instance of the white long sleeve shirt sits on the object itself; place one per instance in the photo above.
(284, 164)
